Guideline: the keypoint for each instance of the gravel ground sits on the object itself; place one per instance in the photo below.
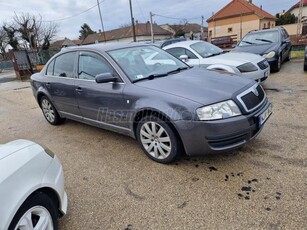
(111, 184)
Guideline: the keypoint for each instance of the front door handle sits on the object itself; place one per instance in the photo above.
(79, 90)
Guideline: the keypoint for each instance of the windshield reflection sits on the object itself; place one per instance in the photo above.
(146, 62)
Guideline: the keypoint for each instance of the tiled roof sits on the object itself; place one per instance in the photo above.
(187, 28)
(141, 29)
(239, 7)
(297, 5)
(61, 43)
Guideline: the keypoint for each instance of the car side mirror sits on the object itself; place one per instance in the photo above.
(105, 78)
(184, 57)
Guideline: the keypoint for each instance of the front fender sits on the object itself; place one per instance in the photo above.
(171, 111)
(223, 68)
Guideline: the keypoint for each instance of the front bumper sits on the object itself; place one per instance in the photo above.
(259, 75)
(207, 137)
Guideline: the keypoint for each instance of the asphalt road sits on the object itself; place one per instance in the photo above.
(111, 184)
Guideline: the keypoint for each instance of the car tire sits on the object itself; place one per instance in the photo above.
(49, 111)
(158, 140)
(288, 58)
(278, 64)
(305, 67)
(37, 209)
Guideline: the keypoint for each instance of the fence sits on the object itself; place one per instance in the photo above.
(6, 64)
(225, 41)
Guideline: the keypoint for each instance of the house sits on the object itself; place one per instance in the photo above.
(295, 9)
(125, 34)
(186, 29)
(64, 43)
(238, 18)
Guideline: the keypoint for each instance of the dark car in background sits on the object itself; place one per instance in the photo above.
(167, 106)
(273, 44)
(163, 43)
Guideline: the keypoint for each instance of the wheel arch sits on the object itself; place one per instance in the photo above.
(148, 112)
(222, 67)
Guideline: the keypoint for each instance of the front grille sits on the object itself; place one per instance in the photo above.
(252, 98)
(263, 64)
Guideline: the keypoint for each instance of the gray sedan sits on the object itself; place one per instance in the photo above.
(169, 107)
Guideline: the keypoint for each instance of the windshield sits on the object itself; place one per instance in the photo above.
(260, 38)
(144, 62)
(206, 49)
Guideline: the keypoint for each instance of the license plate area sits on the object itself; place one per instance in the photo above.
(263, 117)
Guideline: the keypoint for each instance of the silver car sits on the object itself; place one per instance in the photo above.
(200, 53)
(169, 108)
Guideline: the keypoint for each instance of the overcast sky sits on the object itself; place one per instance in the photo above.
(68, 13)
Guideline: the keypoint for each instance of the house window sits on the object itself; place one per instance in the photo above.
(264, 25)
(230, 30)
(210, 33)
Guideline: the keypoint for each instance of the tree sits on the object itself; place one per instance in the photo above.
(285, 19)
(4, 41)
(85, 31)
(12, 40)
(34, 31)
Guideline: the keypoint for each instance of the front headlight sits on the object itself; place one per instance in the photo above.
(217, 111)
(269, 55)
(247, 67)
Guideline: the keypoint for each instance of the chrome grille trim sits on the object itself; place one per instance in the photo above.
(249, 90)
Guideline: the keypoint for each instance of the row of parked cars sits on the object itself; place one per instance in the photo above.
(193, 99)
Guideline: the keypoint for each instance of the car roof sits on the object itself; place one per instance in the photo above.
(105, 46)
(266, 30)
(183, 43)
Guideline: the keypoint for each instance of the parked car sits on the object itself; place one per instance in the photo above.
(169, 108)
(209, 56)
(273, 44)
(32, 194)
(162, 43)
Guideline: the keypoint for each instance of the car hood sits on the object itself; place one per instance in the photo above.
(256, 49)
(199, 85)
(233, 58)
(13, 146)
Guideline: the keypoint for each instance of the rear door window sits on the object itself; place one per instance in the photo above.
(50, 67)
(64, 65)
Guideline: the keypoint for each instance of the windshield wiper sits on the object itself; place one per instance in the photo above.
(155, 75)
(250, 43)
(151, 76)
(264, 40)
(211, 55)
(177, 70)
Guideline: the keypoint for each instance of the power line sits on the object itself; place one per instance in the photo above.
(62, 19)
(140, 9)
(175, 17)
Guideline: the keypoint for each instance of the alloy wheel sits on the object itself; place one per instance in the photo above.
(36, 218)
(155, 140)
(48, 110)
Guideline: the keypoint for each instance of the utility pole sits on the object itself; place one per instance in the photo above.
(151, 29)
(132, 21)
(299, 24)
(104, 35)
(202, 28)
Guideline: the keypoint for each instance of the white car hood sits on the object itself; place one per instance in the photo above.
(13, 146)
(233, 59)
